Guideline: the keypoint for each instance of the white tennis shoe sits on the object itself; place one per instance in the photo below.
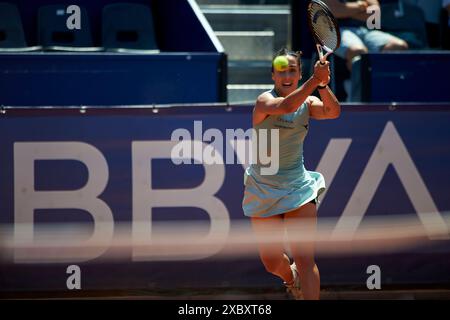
(294, 289)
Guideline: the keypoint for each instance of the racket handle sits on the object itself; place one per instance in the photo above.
(322, 58)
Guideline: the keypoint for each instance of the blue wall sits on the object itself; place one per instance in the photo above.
(414, 76)
(37, 79)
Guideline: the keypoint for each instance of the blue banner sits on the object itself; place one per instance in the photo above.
(111, 167)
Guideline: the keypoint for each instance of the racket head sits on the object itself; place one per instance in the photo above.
(323, 25)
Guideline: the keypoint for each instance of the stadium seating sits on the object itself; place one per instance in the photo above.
(12, 36)
(110, 60)
(127, 27)
(54, 35)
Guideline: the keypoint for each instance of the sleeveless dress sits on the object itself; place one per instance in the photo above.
(292, 186)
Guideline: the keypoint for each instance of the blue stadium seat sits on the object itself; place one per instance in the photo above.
(54, 34)
(128, 27)
(12, 37)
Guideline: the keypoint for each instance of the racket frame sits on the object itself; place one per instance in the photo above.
(319, 43)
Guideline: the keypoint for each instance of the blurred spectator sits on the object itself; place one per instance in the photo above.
(446, 6)
(445, 31)
(356, 38)
(405, 19)
(432, 10)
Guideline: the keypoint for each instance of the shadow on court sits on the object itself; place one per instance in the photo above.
(331, 293)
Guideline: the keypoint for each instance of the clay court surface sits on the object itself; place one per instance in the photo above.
(332, 293)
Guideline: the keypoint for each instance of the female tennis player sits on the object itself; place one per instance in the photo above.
(278, 204)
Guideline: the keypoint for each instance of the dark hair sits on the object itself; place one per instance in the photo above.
(286, 52)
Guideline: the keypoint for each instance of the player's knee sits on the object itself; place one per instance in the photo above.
(355, 51)
(396, 44)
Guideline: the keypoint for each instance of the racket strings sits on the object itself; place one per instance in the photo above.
(323, 28)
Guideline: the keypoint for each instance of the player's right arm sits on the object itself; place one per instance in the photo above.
(266, 104)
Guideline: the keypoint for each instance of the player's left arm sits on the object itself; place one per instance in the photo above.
(327, 107)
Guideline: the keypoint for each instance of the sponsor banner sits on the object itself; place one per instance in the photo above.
(112, 171)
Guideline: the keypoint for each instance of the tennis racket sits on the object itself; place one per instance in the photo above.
(324, 28)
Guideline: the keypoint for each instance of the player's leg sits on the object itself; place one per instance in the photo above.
(304, 217)
(272, 254)
(395, 44)
(379, 41)
(351, 46)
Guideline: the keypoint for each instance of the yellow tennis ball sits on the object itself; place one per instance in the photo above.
(280, 63)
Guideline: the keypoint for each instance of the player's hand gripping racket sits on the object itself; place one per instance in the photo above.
(324, 29)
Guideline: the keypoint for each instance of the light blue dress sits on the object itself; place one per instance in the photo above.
(293, 186)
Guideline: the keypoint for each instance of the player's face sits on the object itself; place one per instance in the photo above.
(286, 81)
